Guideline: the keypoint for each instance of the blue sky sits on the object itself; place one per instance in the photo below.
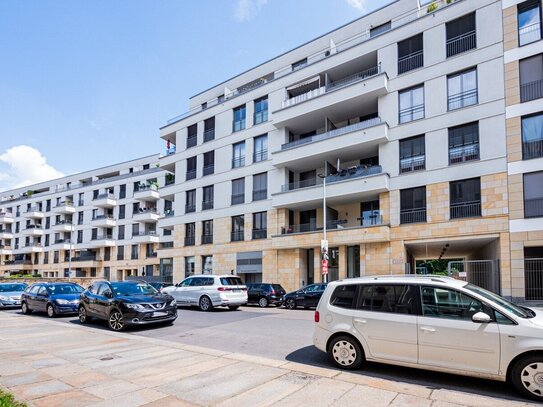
(85, 84)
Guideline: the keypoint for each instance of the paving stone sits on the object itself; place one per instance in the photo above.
(474, 399)
(438, 403)
(13, 368)
(85, 380)
(319, 371)
(112, 388)
(170, 401)
(406, 400)
(43, 363)
(321, 392)
(133, 399)
(24, 378)
(65, 370)
(391, 385)
(366, 396)
(36, 390)
(76, 398)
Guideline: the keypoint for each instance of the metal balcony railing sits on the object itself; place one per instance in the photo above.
(529, 33)
(238, 199)
(465, 210)
(65, 203)
(63, 222)
(531, 90)
(238, 162)
(207, 205)
(409, 62)
(462, 99)
(105, 195)
(33, 209)
(190, 240)
(192, 141)
(260, 194)
(238, 125)
(145, 187)
(411, 164)
(169, 213)
(462, 43)
(411, 113)
(417, 215)
(260, 117)
(261, 155)
(207, 239)
(463, 153)
(144, 233)
(191, 174)
(533, 279)
(102, 237)
(532, 149)
(533, 208)
(209, 169)
(100, 217)
(5, 230)
(260, 234)
(190, 208)
(237, 236)
(209, 135)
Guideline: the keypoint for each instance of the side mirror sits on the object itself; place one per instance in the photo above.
(108, 294)
(481, 318)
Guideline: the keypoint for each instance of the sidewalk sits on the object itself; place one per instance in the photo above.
(51, 363)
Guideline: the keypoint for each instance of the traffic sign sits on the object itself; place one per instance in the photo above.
(324, 266)
(324, 246)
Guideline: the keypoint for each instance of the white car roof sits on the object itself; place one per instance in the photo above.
(213, 275)
(409, 278)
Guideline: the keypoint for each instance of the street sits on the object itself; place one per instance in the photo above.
(281, 334)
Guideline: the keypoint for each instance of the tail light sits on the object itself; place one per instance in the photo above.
(272, 292)
(224, 289)
(317, 316)
(243, 288)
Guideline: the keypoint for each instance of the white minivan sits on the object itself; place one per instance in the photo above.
(436, 323)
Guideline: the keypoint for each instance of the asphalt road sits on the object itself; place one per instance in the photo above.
(282, 334)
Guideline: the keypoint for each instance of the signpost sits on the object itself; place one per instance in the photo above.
(324, 262)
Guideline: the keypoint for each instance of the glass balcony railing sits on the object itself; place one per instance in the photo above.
(465, 153)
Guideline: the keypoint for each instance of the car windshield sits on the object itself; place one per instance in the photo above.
(5, 288)
(64, 289)
(509, 306)
(133, 289)
(231, 281)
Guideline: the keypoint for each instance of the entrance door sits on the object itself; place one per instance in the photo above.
(333, 264)
(353, 261)
(310, 258)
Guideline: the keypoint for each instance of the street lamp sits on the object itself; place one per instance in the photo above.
(325, 242)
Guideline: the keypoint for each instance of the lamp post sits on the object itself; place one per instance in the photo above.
(70, 259)
(324, 254)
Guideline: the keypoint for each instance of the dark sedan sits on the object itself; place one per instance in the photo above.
(52, 298)
(126, 303)
(306, 297)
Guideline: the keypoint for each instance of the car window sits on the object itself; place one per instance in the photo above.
(208, 281)
(196, 282)
(343, 296)
(11, 287)
(397, 299)
(94, 288)
(441, 302)
(42, 290)
(102, 289)
(34, 289)
(186, 282)
(310, 288)
(231, 281)
(502, 319)
(125, 288)
(321, 287)
(277, 287)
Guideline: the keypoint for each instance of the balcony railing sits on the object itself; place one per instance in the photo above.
(465, 210)
(260, 194)
(463, 153)
(209, 169)
(169, 213)
(5, 230)
(190, 240)
(207, 239)
(207, 205)
(102, 237)
(238, 162)
(417, 215)
(260, 117)
(65, 203)
(462, 99)
(63, 222)
(238, 125)
(411, 164)
(238, 199)
(260, 234)
(333, 133)
(191, 174)
(145, 187)
(533, 279)
(170, 150)
(532, 149)
(533, 208)
(99, 217)
(169, 180)
(236, 236)
(33, 209)
(529, 33)
(462, 43)
(531, 90)
(411, 113)
(144, 233)
(190, 208)
(209, 135)
(105, 195)
(409, 62)
(192, 141)
(261, 155)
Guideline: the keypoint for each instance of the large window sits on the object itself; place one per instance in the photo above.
(192, 135)
(190, 234)
(261, 148)
(238, 225)
(412, 154)
(207, 232)
(209, 163)
(209, 129)
(461, 35)
(239, 118)
(529, 22)
(207, 201)
(462, 89)
(397, 299)
(413, 205)
(531, 78)
(191, 168)
(238, 191)
(260, 186)
(190, 201)
(464, 143)
(532, 136)
(411, 103)
(260, 225)
(238, 155)
(465, 198)
(410, 54)
(261, 110)
(533, 195)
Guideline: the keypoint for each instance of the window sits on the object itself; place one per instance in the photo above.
(261, 148)
(122, 210)
(190, 201)
(207, 231)
(191, 168)
(209, 129)
(461, 35)
(120, 252)
(260, 186)
(465, 198)
(238, 155)
(412, 154)
(238, 191)
(462, 89)
(209, 163)
(260, 225)
(397, 299)
(192, 135)
(438, 302)
(533, 195)
(190, 234)
(134, 252)
(413, 205)
(299, 64)
(190, 267)
(122, 191)
(380, 29)
(531, 78)
(207, 202)
(529, 22)
(239, 118)
(532, 136)
(261, 110)
(411, 104)
(410, 54)
(464, 143)
(343, 296)
(120, 234)
(237, 228)
(79, 236)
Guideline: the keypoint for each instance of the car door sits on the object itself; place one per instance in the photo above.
(253, 291)
(385, 317)
(181, 291)
(193, 291)
(102, 301)
(31, 296)
(448, 337)
(41, 298)
(89, 299)
(312, 295)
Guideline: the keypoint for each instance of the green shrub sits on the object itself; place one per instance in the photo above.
(431, 8)
(7, 400)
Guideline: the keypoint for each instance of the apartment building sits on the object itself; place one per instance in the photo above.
(523, 60)
(100, 223)
(400, 112)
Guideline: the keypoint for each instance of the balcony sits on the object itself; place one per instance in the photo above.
(66, 207)
(238, 199)
(461, 43)
(103, 221)
(465, 210)
(411, 164)
(207, 239)
(260, 234)
(237, 236)
(238, 162)
(62, 244)
(33, 248)
(147, 236)
(260, 195)
(417, 215)
(207, 205)
(34, 213)
(190, 240)
(147, 193)
(209, 135)
(209, 169)
(345, 142)
(6, 234)
(463, 154)
(33, 230)
(6, 218)
(146, 215)
(6, 249)
(462, 99)
(105, 200)
(531, 91)
(102, 241)
(191, 174)
(63, 226)
(409, 62)
(532, 149)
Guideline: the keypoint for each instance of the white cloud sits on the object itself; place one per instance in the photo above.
(360, 5)
(25, 166)
(247, 9)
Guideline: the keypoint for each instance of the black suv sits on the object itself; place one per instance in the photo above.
(126, 303)
(306, 297)
(265, 294)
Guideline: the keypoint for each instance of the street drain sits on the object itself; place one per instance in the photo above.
(108, 357)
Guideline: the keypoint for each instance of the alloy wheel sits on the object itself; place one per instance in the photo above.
(205, 304)
(290, 304)
(82, 315)
(263, 302)
(116, 321)
(532, 378)
(344, 353)
(50, 311)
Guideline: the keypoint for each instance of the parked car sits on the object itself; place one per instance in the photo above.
(265, 294)
(435, 323)
(207, 291)
(306, 297)
(159, 285)
(52, 298)
(126, 303)
(10, 294)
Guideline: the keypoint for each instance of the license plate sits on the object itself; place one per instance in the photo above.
(236, 291)
(159, 314)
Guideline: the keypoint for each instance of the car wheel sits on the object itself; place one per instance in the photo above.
(527, 376)
(263, 302)
(346, 353)
(24, 309)
(83, 317)
(115, 320)
(233, 307)
(205, 304)
(290, 303)
(50, 311)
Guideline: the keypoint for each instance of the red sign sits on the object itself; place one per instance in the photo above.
(324, 266)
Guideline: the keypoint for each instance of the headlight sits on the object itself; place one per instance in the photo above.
(173, 303)
(63, 302)
(4, 298)
(137, 307)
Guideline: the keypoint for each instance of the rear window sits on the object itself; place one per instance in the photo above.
(6, 288)
(277, 287)
(343, 296)
(231, 281)
(397, 299)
